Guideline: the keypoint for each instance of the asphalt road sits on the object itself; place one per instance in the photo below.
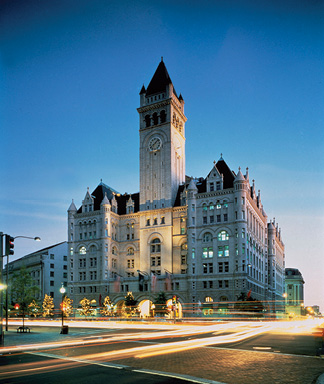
(167, 356)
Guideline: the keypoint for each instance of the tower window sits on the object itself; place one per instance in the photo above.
(148, 121)
(155, 118)
(162, 116)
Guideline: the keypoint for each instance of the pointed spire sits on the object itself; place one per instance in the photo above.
(72, 207)
(247, 173)
(192, 185)
(105, 200)
(143, 90)
(239, 176)
(221, 157)
(160, 80)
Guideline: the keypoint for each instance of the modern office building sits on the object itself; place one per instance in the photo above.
(204, 239)
(47, 267)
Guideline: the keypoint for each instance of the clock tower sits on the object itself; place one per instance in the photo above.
(162, 142)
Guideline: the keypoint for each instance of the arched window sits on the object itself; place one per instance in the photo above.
(204, 208)
(148, 120)
(207, 238)
(223, 235)
(162, 116)
(93, 249)
(155, 119)
(82, 250)
(156, 246)
(208, 299)
(130, 251)
(114, 251)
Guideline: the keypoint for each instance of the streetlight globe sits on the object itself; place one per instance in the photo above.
(37, 238)
(62, 290)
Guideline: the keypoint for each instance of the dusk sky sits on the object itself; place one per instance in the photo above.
(250, 73)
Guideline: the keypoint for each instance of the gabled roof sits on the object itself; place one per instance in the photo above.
(98, 194)
(160, 80)
(223, 168)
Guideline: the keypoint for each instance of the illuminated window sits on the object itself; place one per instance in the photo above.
(223, 235)
(208, 299)
(82, 251)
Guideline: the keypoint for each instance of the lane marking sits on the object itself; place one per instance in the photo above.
(192, 379)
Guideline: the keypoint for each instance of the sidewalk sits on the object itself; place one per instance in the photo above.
(44, 334)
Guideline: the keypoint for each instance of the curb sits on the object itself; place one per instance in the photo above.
(320, 379)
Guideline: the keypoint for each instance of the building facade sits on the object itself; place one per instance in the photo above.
(48, 269)
(202, 239)
(294, 292)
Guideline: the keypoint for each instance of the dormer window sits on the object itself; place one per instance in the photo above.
(218, 185)
(211, 187)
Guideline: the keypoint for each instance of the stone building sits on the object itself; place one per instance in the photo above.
(202, 239)
(294, 292)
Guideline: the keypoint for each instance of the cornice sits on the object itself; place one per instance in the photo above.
(149, 107)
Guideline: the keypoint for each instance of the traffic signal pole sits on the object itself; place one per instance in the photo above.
(9, 251)
(1, 289)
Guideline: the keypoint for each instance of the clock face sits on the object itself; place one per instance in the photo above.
(155, 144)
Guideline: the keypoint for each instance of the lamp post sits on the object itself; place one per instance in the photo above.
(63, 329)
(36, 238)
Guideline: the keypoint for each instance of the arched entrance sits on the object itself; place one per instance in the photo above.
(174, 310)
(146, 308)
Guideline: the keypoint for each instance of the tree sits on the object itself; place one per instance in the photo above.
(34, 309)
(130, 304)
(86, 309)
(23, 290)
(108, 307)
(160, 303)
(48, 306)
(67, 306)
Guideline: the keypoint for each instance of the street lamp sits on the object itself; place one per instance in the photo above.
(64, 330)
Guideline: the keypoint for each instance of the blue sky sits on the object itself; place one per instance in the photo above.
(251, 75)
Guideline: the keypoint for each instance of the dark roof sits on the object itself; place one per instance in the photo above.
(99, 193)
(160, 80)
(201, 182)
(292, 272)
(122, 200)
(227, 173)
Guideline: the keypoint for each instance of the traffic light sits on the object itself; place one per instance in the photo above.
(10, 245)
(16, 306)
(174, 300)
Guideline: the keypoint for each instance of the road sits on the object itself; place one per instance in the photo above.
(231, 353)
